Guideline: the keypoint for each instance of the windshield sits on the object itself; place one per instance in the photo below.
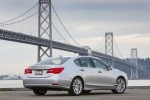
(53, 61)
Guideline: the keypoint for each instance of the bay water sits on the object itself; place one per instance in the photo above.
(19, 83)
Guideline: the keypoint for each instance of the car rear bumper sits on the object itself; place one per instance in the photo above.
(38, 82)
(49, 83)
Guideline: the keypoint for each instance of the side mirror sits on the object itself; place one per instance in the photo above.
(109, 67)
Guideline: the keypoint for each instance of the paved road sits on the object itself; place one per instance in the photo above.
(130, 94)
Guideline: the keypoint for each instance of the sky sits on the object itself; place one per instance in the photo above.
(87, 21)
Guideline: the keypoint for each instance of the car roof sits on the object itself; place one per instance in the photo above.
(74, 57)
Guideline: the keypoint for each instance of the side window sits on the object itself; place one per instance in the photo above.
(77, 62)
(86, 62)
(99, 64)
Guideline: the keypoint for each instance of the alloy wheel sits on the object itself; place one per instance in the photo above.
(120, 86)
(76, 87)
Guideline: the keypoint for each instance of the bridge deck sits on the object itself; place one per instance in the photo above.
(28, 39)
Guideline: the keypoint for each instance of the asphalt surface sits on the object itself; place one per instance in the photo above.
(130, 94)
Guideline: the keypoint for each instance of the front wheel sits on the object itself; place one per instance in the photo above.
(39, 91)
(76, 87)
(120, 86)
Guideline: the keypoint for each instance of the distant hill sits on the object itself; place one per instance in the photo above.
(9, 77)
(144, 70)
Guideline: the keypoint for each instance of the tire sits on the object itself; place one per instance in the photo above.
(120, 86)
(76, 87)
(39, 91)
(86, 91)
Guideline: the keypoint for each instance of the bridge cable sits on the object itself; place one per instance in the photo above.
(20, 20)
(20, 15)
(115, 55)
(99, 43)
(118, 49)
(59, 33)
(57, 30)
(100, 48)
(64, 26)
(129, 56)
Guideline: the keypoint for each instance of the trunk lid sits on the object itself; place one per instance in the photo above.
(40, 71)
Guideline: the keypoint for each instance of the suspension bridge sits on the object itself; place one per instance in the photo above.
(26, 29)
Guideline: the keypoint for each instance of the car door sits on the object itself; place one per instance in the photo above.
(106, 78)
(88, 72)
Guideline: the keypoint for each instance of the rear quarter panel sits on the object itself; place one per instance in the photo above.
(70, 71)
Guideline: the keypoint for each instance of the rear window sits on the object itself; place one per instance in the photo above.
(54, 61)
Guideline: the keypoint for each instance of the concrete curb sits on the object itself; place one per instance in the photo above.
(138, 87)
(24, 89)
(14, 89)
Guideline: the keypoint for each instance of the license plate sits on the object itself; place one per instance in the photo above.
(38, 72)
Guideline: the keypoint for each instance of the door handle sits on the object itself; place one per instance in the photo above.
(99, 71)
(82, 70)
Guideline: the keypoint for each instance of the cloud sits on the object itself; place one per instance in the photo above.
(142, 36)
(122, 17)
(86, 20)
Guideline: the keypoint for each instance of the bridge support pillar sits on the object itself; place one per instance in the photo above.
(134, 72)
(109, 46)
(44, 28)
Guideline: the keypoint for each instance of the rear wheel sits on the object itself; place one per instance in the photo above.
(76, 87)
(120, 86)
(86, 91)
(39, 91)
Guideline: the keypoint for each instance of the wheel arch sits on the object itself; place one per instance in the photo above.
(80, 78)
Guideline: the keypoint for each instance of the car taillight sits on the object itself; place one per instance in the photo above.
(28, 71)
(55, 70)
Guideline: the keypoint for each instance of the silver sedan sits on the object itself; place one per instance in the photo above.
(76, 75)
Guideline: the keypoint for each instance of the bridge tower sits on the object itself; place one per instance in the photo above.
(44, 28)
(134, 72)
(109, 45)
